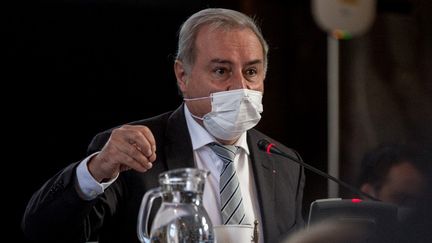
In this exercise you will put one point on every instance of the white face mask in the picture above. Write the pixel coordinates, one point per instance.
(233, 112)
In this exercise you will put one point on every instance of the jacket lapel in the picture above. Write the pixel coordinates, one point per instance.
(178, 148)
(264, 173)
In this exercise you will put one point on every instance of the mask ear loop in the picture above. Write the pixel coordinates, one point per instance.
(198, 98)
(197, 117)
(210, 96)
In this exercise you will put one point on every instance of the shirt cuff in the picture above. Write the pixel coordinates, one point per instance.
(88, 188)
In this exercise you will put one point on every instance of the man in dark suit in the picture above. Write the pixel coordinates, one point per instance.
(220, 69)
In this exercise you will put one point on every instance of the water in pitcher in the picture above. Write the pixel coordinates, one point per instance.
(181, 217)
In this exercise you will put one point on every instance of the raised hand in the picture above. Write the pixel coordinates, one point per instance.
(129, 147)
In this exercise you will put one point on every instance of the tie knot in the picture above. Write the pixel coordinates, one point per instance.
(225, 152)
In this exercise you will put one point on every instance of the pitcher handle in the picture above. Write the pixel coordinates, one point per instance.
(144, 213)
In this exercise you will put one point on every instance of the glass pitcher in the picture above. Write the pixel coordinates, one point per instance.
(181, 217)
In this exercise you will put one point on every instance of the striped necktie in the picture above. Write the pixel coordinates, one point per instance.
(232, 209)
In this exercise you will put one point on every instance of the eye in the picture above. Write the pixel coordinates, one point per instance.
(220, 72)
(251, 72)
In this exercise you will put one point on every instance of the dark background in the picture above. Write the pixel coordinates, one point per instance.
(76, 68)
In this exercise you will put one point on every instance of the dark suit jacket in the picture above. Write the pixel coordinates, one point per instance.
(56, 212)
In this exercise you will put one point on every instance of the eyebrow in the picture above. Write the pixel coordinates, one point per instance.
(221, 61)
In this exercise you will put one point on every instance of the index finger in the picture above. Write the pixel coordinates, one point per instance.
(149, 140)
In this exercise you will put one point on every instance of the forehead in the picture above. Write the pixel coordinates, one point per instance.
(228, 42)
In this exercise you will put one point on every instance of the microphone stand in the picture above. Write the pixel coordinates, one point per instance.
(271, 149)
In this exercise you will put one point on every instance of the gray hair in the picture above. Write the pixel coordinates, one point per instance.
(217, 18)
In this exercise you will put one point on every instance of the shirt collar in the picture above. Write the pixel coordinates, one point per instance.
(200, 137)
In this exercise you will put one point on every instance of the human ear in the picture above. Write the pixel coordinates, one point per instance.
(181, 75)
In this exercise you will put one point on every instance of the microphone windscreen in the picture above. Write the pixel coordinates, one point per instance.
(263, 144)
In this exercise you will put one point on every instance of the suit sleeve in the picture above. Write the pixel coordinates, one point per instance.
(57, 213)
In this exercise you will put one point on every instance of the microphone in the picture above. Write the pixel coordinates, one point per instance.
(270, 148)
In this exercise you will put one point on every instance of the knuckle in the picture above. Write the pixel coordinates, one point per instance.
(146, 129)
(116, 131)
